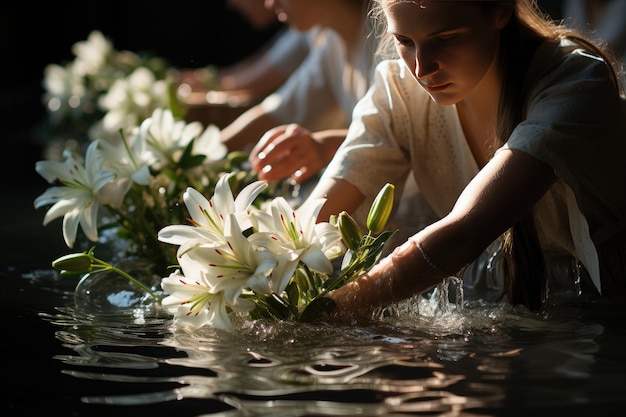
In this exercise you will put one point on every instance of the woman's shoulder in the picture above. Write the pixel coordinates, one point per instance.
(566, 59)
(567, 68)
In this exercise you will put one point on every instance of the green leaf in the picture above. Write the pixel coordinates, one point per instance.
(178, 111)
(293, 295)
(236, 159)
(268, 307)
(279, 308)
(188, 160)
(375, 249)
(317, 309)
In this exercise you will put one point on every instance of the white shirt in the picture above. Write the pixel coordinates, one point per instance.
(323, 91)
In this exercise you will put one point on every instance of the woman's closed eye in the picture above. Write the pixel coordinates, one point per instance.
(403, 40)
(447, 37)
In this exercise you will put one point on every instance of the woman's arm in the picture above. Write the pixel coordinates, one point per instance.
(244, 132)
(504, 190)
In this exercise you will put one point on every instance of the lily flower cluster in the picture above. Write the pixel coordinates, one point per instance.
(103, 89)
(246, 249)
(133, 186)
(273, 263)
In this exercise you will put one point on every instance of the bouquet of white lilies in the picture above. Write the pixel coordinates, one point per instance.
(273, 263)
(245, 250)
(102, 90)
(237, 255)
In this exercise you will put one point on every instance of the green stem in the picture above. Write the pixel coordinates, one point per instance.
(355, 268)
(103, 266)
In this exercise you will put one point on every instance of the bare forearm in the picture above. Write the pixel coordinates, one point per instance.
(247, 129)
(331, 140)
(403, 273)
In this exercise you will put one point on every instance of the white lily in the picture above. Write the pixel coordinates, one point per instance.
(220, 276)
(209, 143)
(91, 54)
(234, 267)
(130, 161)
(168, 137)
(314, 244)
(77, 200)
(131, 100)
(65, 94)
(193, 303)
(207, 217)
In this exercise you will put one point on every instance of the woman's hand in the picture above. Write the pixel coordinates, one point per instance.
(291, 151)
(398, 276)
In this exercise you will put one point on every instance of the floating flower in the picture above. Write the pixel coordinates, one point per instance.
(235, 266)
(192, 302)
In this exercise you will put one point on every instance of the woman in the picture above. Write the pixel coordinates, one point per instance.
(514, 131)
(309, 114)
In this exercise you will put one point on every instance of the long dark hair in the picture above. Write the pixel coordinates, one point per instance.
(525, 276)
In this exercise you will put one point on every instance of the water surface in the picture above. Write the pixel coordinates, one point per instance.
(123, 354)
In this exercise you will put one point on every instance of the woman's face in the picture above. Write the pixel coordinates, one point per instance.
(300, 15)
(448, 47)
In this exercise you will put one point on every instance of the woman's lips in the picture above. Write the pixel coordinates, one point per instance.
(436, 88)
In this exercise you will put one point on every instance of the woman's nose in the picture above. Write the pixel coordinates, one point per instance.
(425, 63)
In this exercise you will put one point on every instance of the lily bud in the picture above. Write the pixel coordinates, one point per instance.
(349, 230)
(381, 209)
(74, 263)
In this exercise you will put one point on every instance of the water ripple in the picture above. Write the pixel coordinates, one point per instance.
(459, 361)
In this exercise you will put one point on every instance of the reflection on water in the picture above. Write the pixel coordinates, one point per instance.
(422, 358)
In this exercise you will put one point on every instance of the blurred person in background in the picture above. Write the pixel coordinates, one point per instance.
(257, 75)
(297, 129)
(603, 20)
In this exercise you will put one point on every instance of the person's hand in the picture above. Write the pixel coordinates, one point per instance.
(288, 151)
(400, 275)
(291, 151)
